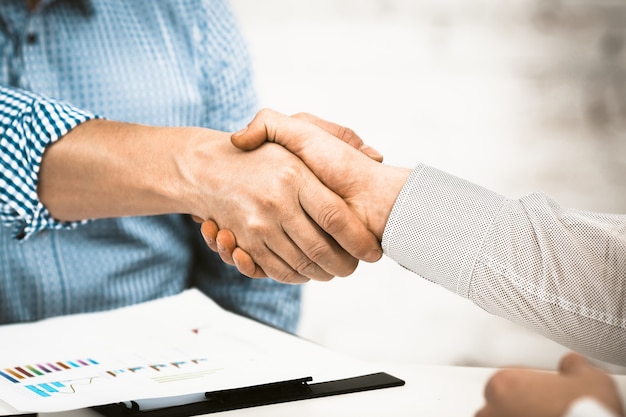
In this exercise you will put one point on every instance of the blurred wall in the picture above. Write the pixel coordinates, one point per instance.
(518, 96)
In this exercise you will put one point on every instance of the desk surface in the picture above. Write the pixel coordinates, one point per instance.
(442, 391)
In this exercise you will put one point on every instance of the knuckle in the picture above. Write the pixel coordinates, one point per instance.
(330, 217)
(349, 136)
(332, 259)
(302, 116)
(255, 226)
(289, 172)
(265, 117)
(305, 266)
(288, 276)
(315, 271)
(265, 113)
(319, 253)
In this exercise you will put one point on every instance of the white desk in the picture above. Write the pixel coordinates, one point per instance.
(442, 391)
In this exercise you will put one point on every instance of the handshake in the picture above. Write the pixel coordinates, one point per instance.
(324, 208)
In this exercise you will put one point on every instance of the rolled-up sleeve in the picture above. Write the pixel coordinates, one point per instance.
(28, 124)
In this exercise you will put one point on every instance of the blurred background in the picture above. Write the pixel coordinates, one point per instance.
(517, 96)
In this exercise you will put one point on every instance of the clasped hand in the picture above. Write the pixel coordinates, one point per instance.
(342, 162)
(289, 225)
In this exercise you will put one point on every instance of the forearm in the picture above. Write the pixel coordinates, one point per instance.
(560, 272)
(111, 169)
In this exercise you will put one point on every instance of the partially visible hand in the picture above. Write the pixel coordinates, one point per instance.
(330, 151)
(525, 392)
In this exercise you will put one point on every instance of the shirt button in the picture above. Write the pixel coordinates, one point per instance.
(31, 38)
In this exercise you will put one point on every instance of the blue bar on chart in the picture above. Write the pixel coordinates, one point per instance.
(37, 390)
(48, 388)
(45, 390)
(9, 377)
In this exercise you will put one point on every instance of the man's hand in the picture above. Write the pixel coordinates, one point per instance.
(525, 392)
(368, 187)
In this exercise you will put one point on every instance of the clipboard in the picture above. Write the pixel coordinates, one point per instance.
(259, 395)
(188, 346)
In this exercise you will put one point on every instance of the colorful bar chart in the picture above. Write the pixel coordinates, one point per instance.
(22, 373)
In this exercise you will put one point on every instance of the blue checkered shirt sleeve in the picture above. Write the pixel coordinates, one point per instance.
(28, 123)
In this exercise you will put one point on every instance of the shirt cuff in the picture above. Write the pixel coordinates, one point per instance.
(30, 123)
(437, 226)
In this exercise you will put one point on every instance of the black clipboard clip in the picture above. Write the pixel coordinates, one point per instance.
(258, 395)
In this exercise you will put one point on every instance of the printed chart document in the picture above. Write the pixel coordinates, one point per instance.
(175, 346)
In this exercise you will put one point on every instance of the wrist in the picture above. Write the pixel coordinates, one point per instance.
(195, 174)
(386, 186)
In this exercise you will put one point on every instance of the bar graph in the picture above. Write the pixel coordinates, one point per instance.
(22, 373)
(49, 379)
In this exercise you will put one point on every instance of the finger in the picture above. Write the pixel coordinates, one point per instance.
(209, 231)
(298, 261)
(344, 133)
(573, 363)
(227, 248)
(231, 254)
(226, 244)
(279, 270)
(246, 265)
(298, 250)
(196, 219)
(335, 218)
(276, 254)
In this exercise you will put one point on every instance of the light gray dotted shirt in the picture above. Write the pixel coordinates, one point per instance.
(556, 270)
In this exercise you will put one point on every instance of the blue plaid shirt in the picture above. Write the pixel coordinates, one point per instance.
(173, 63)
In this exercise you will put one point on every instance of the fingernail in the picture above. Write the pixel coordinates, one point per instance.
(220, 248)
(373, 256)
(371, 152)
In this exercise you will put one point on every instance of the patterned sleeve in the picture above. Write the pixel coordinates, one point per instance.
(28, 123)
(555, 270)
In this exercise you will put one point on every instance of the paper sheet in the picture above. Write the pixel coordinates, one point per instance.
(177, 345)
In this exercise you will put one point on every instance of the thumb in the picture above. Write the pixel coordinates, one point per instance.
(248, 139)
(573, 363)
(294, 134)
(263, 127)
